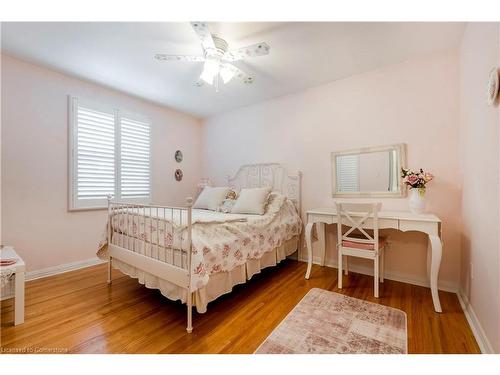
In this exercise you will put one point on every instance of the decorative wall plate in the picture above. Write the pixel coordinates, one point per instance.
(493, 86)
(178, 174)
(178, 156)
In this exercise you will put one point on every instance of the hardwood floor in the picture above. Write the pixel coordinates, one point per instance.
(77, 312)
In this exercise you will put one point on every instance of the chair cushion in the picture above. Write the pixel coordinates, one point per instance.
(364, 246)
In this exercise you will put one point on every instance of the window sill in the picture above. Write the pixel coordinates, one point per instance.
(78, 209)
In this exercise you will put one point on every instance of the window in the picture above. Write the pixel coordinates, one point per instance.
(110, 154)
(348, 173)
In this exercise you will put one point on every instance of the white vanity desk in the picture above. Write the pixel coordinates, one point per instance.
(400, 220)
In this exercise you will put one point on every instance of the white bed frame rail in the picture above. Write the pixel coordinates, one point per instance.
(139, 252)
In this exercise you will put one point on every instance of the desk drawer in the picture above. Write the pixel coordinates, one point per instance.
(321, 218)
(428, 227)
(382, 223)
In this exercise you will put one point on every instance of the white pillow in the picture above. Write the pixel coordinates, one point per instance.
(251, 201)
(211, 198)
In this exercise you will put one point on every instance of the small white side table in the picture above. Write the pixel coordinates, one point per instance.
(18, 269)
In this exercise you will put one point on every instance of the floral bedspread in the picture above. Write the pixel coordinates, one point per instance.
(220, 242)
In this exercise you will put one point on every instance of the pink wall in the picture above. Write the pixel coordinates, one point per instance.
(479, 145)
(34, 162)
(414, 103)
(419, 102)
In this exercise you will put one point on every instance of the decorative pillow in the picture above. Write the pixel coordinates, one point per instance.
(228, 203)
(211, 198)
(251, 201)
(231, 194)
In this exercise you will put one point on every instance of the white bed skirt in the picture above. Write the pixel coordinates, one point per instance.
(219, 283)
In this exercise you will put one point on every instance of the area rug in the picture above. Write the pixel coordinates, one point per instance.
(328, 322)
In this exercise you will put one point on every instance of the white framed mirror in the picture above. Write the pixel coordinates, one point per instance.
(369, 172)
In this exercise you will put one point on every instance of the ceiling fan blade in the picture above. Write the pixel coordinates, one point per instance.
(259, 49)
(240, 74)
(201, 29)
(163, 57)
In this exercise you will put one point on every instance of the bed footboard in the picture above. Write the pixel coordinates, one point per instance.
(154, 239)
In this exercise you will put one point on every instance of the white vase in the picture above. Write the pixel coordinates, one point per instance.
(417, 201)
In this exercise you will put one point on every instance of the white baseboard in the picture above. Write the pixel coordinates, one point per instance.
(475, 325)
(62, 268)
(395, 276)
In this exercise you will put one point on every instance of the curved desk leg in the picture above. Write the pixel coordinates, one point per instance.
(436, 250)
(429, 258)
(308, 236)
(320, 230)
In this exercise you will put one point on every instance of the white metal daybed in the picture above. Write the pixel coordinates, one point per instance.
(196, 255)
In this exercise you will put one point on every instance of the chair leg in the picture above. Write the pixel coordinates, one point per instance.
(382, 265)
(340, 270)
(110, 270)
(376, 276)
(346, 265)
(189, 327)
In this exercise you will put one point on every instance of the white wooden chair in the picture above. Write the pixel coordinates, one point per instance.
(360, 216)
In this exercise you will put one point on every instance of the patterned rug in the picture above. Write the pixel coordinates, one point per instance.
(328, 322)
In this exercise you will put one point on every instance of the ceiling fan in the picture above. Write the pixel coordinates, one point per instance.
(217, 58)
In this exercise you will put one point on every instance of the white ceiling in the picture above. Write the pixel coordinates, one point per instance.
(303, 54)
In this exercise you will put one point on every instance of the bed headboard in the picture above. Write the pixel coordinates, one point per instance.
(269, 174)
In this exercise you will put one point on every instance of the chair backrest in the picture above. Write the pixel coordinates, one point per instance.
(354, 216)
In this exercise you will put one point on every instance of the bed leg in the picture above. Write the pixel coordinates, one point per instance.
(110, 270)
(189, 327)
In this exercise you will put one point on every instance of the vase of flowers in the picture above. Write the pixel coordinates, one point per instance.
(417, 182)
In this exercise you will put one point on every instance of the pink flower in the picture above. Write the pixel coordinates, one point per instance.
(216, 268)
(412, 179)
(200, 269)
(225, 251)
(238, 255)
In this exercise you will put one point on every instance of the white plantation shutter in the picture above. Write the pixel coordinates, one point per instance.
(348, 173)
(94, 156)
(109, 155)
(135, 159)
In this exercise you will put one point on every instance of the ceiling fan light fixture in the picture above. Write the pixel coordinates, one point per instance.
(226, 74)
(210, 71)
(217, 58)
